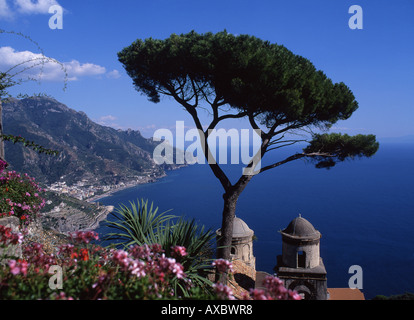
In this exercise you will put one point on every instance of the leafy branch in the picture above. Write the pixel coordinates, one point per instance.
(30, 144)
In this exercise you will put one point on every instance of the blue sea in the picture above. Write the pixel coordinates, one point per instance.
(363, 208)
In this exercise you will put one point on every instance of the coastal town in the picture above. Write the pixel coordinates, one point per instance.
(87, 191)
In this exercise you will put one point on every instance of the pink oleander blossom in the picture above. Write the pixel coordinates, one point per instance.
(17, 200)
(83, 236)
(258, 294)
(7, 237)
(62, 296)
(273, 290)
(178, 251)
(223, 265)
(144, 252)
(18, 267)
(223, 291)
(170, 265)
(137, 268)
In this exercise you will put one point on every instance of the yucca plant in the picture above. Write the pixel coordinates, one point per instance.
(135, 224)
(198, 243)
(141, 224)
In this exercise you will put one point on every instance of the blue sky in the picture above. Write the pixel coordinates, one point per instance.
(375, 62)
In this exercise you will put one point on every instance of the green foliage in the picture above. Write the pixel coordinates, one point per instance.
(404, 296)
(340, 147)
(141, 224)
(251, 75)
(135, 223)
(254, 79)
(89, 272)
(84, 146)
(30, 144)
(20, 196)
(5, 83)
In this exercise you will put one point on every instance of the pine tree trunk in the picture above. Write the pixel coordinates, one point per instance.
(229, 212)
(226, 232)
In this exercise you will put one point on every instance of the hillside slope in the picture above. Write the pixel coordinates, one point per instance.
(88, 151)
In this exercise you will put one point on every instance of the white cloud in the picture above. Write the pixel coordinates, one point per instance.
(347, 129)
(46, 69)
(107, 118)
(76, 69)
(9, 8)
(34, 7)
(109, 121)
(4, 9)
(114, 74)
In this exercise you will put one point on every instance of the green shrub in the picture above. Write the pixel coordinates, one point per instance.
(141, 224)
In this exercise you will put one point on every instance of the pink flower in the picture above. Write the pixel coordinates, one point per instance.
(62, 296)
(137, 268)
(223, 292)
(170, 265)
(177, 269)
(18, 238)
(156, 248)
(141, 252)
(18, 267)
(258, 294)
(121, 258)
(223, 266)
(178, 251)
(83, 236)
(274, 290)
(8, 237)
(293, 295)
(3, 165)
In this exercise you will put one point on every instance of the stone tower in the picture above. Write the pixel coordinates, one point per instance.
(300, 266)
(242, 243)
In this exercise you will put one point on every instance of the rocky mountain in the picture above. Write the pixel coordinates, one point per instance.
(87, 150)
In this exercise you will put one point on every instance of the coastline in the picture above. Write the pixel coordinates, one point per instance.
(132, 184)
(102, 215)
(106, 194)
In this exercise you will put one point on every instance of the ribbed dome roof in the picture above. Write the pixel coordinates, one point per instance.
(240, 229)
(301, 228)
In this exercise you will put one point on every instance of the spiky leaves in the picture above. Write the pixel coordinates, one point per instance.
(141, 224)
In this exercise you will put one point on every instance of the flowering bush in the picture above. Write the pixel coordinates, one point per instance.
(186, 241)
(89, 271)
(223, 266)
(92, 272)
(7, 237)
(274, 290)
(3, 165)
(19, 195)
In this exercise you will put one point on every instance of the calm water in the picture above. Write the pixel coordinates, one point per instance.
(363, 208)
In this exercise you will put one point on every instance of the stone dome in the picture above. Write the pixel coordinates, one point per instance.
(240, 229)
(300, 228)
